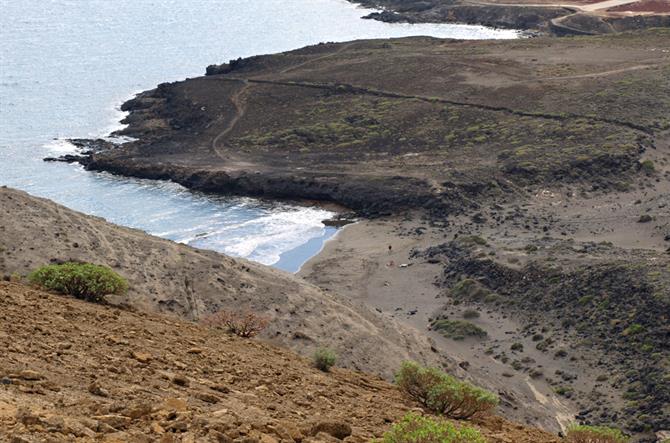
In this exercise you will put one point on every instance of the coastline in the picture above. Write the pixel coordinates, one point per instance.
(532, 17)
(294, 259)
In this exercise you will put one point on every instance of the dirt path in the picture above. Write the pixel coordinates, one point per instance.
(605, 5)
(596, 74)
(391, 94)
(240, 108)
(307, 62)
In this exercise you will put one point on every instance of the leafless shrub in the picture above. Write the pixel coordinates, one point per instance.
(241, 323)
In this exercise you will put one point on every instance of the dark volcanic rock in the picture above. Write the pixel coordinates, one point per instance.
(69, 158)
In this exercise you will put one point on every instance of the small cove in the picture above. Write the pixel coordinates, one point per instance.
(68, 65)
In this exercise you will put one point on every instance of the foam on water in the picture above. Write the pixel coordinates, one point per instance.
(60, 146)
(265, 237)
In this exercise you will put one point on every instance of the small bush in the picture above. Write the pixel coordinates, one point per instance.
(594, 434)
(81, 280)
(458, 329)
(646, 218)
(470, 313)
(244, 324)
(633, 329)
(414, 428)
(469, 289)
(442, 393)
(475, 239)
(648, 167)
(324, 359)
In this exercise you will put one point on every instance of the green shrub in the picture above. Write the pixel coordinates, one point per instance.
(324, 359)
(594, 434)
(647, 167)
(442, 393)
(470, 313)
(458, 329)
(635, 328)
(82, 280)
(469, 289)
(414, 428)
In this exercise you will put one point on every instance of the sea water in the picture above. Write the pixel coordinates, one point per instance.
(67, 65)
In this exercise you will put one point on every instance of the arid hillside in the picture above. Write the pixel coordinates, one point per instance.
(78, 371)
(176, 279)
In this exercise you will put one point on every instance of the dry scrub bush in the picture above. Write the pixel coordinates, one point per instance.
(324, 359)
(414, 428)
(444, 394)
(241, 323)
(594, 434)
(81, 280)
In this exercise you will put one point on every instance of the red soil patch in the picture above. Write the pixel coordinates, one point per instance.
(657, 6)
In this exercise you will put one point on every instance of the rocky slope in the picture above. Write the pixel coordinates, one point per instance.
(76, 371)
(171, 278)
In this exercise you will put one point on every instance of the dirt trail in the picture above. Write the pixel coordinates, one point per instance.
(238, 103)
(391, 94)
(605, 5)
(312, 60)
(596, 74)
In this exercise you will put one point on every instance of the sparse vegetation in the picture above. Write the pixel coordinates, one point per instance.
(324, 359)
(648, 167)
(633, 329)
(476, 239)
(244, 324)
(81, 280)
(458, 329)
(594, 434)
(442, 393)
(414, 428)
(470, 313)
(469, 289)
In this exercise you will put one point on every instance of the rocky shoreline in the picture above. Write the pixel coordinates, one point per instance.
(534, 18)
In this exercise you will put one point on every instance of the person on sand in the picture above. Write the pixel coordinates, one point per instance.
(390, 249)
